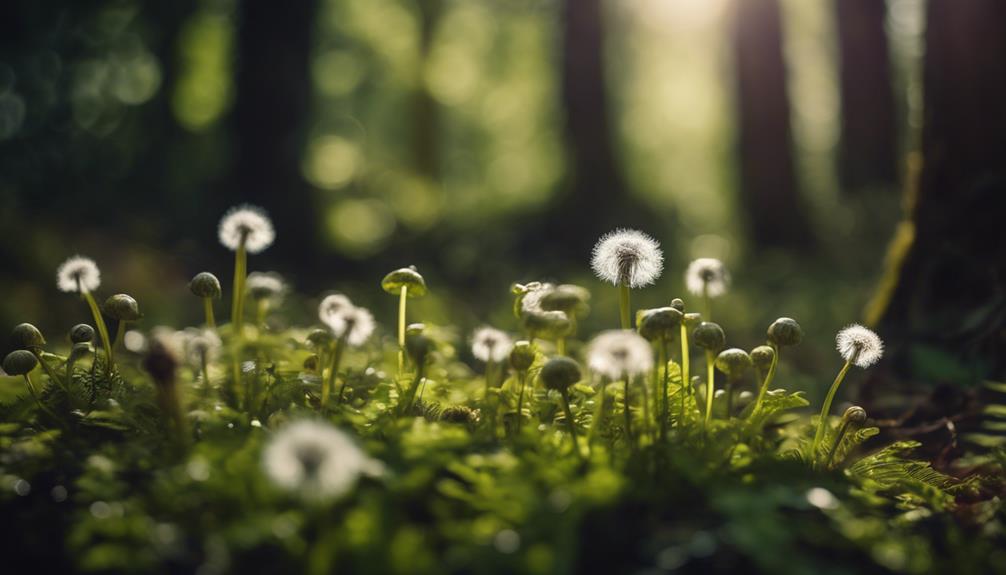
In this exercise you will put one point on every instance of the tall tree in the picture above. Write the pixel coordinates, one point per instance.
(768, 187)
(270, 121)
(942, 305)
(868, 143)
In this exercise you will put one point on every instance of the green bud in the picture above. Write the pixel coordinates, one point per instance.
(81, 333)
(548, 324)
(678, 304)
(785, 332)
(559, 373)
(311, 363)
(418, 347)
(709, 335)
(762, 357)
(659, 323)
(320, 337)
(568, 298)
(522, 355)
(855, 416)
(122, 307)
(205, 284)
(80, 350)
(27, 336)
(404, 277)
(415, 328)
(19, 362)
(733, 362)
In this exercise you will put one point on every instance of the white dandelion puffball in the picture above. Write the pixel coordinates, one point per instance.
(201, 345)
(78, 274)
(248, 223)
(627, 257)
(859, 345)
(315, 460)
(619, 353)
(491, 345)
(531, 300)
(707, 276)
(357, 325)
(332, 311)
(265, 285)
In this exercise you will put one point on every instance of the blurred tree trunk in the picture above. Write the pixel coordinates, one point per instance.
(270, 122)
(596, 197)
(768, 188)
(942, 304)
(867, 149)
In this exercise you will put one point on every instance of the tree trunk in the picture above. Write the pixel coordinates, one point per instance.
(768, 188)
(942, 306)
(867, 149)
(270, 121)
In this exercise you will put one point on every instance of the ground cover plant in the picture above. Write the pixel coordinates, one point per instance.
(654, 446)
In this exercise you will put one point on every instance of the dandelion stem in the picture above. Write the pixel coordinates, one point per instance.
(665, 404)
(211, 321)
(730, 396)
(522, 379)
(686, 380)
(261, 308)
(38, 400)
(401, 328)
(560, 346)
(326, 387)
(406, 401)
(822, 423)
(628, 413)
(707, 301)
(570, 423)
(238, 297)
(49, 371)
(623, 305)
(120, 335)
(842, 431)
(764, 386)
(710, 385)
(102, 331)
(595, 423)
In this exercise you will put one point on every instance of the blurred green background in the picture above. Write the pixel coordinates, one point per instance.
(485, 141)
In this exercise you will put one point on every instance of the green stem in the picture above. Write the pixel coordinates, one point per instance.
(647, 419)
(595, 423)
(405, 403)
(205, 368)
(764, 386)
(686, 380)
(730, 396)
(401, 329)
(707, 301)
(238, 297)
(326, 386)
(102, 331)
(710, 385)
(560, 346)
(120, 335)
(211, 321)
(522, 379)
(838, 441)
(38, 400)
(623, 306)
(261, 309)
(49, 371)
(628, 414)
(822, 424)
(570, 424)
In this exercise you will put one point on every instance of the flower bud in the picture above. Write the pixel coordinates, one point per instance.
(855, 416)
(81, 333)
(320, 338)
(762, 357)
(547, 324)
(785, 332)
(418, 347)
(205, 284)
(415, 328)
(710, 336)
(122, 307)
(522, 355)
(404, 277)
(19, 362)
(733, 362)
(678, 304)
(311, 363)
(568, 298)
(659, 323)
(559, 373)
(27, 336)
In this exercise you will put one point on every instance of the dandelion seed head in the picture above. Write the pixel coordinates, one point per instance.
(617, 354)
(490, 345)
(332, 311)
(357, 326)
(248, 223)
(202, 344)
(627, 257)
(534, 294)
(315, 460)
(707, 275)
(859, 345)
(78, 274)
(265, 285)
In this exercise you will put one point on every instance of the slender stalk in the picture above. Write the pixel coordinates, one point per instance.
(401, 328)
(628, 414)
(560, 346)
(710, 385)
(707, 301)
(665, 407)
(102, 331)
(686, 380)
(838, 441)
(205, 369)
(38, 400)
(329, 381)
(406, 401)
(570, 424)
(730, 396)
(211, 321)
(822, 424)
(238, 297)
(623, 306)
(120, 335)
(764, 386)
(595, 423)
(261, 309)
(522, 379)
(49, 371)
